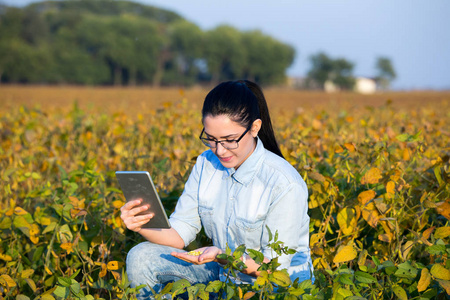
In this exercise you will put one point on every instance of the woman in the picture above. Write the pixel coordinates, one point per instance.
(236, 189)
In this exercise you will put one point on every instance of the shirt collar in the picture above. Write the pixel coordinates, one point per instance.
(247, 171)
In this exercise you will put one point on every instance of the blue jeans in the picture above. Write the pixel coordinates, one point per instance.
(152, 265)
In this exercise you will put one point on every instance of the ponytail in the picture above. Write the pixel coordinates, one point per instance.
(266, 133)
(244, 102)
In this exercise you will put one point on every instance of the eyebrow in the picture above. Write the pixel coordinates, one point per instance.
(222, 137)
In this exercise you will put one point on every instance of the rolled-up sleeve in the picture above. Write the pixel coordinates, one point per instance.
(288, 216)
(185, 219)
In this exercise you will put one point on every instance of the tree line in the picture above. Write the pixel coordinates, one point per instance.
(339, 71)
(126, 43)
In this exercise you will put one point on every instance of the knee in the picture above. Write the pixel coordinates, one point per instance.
(138, 262)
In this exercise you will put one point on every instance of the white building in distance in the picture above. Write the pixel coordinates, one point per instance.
(365, 85)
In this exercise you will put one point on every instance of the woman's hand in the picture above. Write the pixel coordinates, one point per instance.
(129, 215)
(208, 254)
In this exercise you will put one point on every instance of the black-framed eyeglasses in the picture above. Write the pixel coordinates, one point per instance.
(227, 144)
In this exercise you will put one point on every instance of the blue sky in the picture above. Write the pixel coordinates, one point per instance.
(413, 34)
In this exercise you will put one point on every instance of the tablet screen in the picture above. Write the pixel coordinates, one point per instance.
(138, 185)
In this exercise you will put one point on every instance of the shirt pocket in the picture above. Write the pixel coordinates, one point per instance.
(206, 216)
(249, 232)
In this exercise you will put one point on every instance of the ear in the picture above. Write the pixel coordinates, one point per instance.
(256, 126)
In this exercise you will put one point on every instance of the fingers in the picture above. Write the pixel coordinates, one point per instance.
(198, 257)
(130, 217)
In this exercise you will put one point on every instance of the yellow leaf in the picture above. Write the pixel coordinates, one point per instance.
(346, 253)
(406, 248)
(426, 234)
(113, 265)
(26, 273)
(372, 176)
(446, 285)
(339, 149)
(442, 232)
(118, 203)
(370, 214)
(385, 237)
(443, 208)
(281, 278)
(400, 293)
(315, 238)
(20, 211)
(34, 239)
(241, 294)
(262, 278)
(68, 247)
(34, 230)
(424, 281)
(248, 295)
(406, 154)
(7, 281)
(47, 270)
(350, 147)
(45, 221)
(103, 271)
(366, 196)
(316, 124)
(116, 275)
(346, 219)
(396, 176)
(390, 189)
(317, 176)
(31, 284)
(5, 257)
(440, 272)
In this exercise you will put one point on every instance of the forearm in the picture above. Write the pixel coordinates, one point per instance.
(167, 237)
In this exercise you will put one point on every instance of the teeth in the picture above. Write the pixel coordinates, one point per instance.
(195, 253)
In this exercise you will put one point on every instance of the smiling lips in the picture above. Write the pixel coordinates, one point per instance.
(225, 159)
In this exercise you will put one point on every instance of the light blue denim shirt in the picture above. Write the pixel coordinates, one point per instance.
(235, 206)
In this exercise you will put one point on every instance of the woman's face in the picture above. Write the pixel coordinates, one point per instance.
(220, 128)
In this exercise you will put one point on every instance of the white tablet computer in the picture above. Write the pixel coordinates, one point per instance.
(139, 185)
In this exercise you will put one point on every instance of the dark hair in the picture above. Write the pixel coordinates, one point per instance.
(243, 102)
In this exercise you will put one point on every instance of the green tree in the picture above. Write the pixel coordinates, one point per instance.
(224, 54)
(267, 58)
(385, 72)
(186, 45)
(323, 68)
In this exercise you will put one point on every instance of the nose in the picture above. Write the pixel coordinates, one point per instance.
(220, 150)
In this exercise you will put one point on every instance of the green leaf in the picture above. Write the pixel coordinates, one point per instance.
(214, 286)
(5, 223)
(364, 277)
(257, 256)
(437, 173)
(62, 292)
(400, 293)
(389, 267)
(65, 234)
(75, 287)
(405, 270)
(270, 233)
(167, 288)
(345, 279)
(180, 285)
(230, 292)
(238, 252)
(21, 223)
(280, 278)
(64, 281)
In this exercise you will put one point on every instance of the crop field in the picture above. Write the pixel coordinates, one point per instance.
(377, 168)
